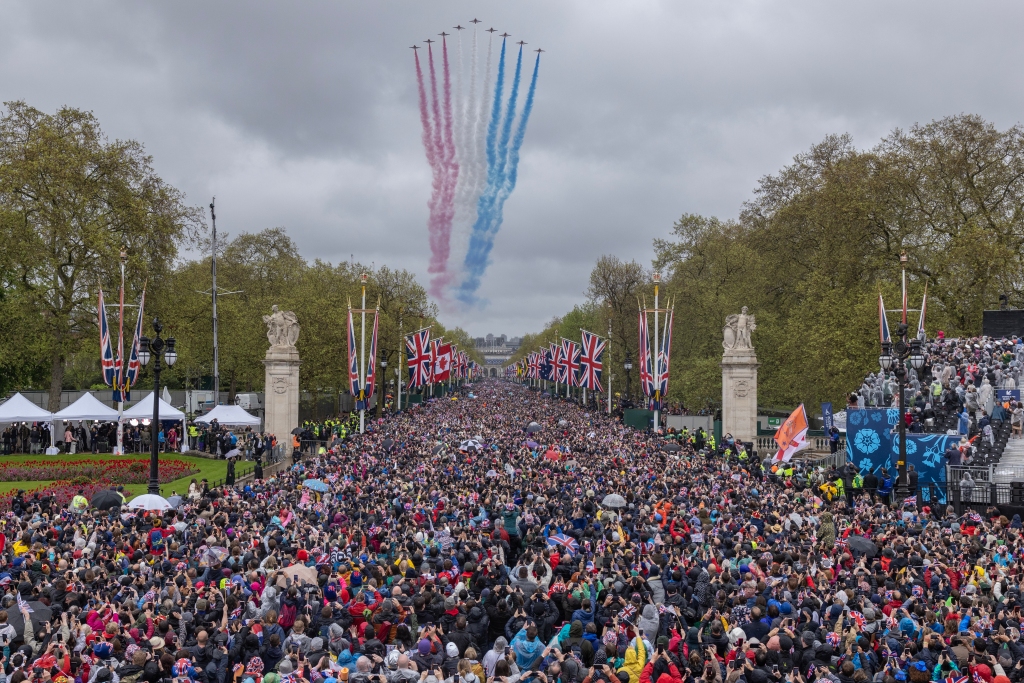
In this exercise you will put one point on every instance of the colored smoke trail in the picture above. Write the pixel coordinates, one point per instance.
(442, 228)
(489, 209)
(472, 138)
(466, 147)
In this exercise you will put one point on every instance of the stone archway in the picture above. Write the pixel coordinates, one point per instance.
(492, 372)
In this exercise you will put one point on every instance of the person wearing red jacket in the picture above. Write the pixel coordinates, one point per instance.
(660, 670)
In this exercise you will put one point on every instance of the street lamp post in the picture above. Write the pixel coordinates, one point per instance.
(628, 365)
(156, 348)
(896, 357)
(383, 384)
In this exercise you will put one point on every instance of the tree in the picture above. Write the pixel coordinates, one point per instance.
(72, 200)
(616, 287)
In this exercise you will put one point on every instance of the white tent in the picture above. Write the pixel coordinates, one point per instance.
(230, 415)
(143, 410)
(87, 408)
(19, 409)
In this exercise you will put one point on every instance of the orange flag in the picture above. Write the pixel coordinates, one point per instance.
(791, 437)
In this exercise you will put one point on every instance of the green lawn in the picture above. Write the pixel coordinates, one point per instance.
(213, 470)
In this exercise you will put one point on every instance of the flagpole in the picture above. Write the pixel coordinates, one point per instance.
(362, 361)
(401, 353)
(657, 361)
(609, 347)
(120, 388)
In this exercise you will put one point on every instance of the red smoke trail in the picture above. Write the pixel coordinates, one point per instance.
(434, 158)
(446, 202)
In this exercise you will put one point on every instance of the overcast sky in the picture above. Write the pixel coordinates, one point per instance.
(304, 114)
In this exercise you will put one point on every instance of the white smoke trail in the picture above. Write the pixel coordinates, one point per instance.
(472, 162)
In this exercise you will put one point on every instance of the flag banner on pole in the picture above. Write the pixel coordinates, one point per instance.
(106, 351)
(353, 359)
(119, 364)
(571, 361)
(417, 356)
(904, 318)
(791, 437)
(644, 361)
(547, 367)
(371, 359)
(826, 416)
(442, 361)
(920, 321)
(556, 360)
(591, 361)
(132, 372)
(664, 354)
(883, 322)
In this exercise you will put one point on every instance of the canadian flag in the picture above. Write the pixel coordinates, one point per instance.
(443, 362)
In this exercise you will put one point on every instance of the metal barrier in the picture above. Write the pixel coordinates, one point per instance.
(979, 474)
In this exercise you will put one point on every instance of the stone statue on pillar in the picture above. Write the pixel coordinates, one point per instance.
(281, 390)
(739, 377)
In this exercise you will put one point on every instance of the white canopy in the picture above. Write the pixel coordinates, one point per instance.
(19, 409)
(87, 408)
(143, 410)
(230, 415)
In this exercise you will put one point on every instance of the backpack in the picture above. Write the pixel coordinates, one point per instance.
(287, 618)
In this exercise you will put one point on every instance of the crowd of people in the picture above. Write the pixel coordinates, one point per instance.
(456, 543)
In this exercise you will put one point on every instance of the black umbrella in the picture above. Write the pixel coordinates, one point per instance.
(862, 545)
(436, 449)
(40, 615)
(106, 499)
(389, 444)
(533, 427)
(672, 447)
(297, 431)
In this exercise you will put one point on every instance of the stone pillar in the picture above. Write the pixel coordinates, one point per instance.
(739, 378)
(281, 391)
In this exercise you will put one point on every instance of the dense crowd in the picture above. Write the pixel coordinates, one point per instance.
(960, 377)
(457, 543)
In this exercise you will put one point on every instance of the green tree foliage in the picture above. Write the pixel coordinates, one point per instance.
(814, 246)
(71, 200)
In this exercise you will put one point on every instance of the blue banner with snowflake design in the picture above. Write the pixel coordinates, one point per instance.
(873, 443)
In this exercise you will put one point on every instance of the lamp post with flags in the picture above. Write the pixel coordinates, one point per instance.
(896, 357)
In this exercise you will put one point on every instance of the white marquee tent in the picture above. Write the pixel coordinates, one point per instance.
(19, 409)
(87, 408)
(143, 410)
(230, 415)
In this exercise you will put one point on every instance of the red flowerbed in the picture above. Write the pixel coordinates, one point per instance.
(89, 475)
(122, 471)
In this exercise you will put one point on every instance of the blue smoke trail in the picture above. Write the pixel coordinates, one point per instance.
(492, 125)
(483, 240)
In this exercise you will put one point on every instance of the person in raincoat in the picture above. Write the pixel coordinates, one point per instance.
(636, 659)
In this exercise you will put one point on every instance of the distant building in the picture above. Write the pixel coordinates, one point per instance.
(497, 350)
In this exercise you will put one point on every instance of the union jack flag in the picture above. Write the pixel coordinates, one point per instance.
(646, 376)
(132, 372)
(119, 364)
(371, 360)
(664, 354)
(628, 612)
(589, 375)
(570, 366)
(417, 356)
(106, 351)
(353, 359)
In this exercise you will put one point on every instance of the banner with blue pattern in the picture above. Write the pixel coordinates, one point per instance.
(872, 443)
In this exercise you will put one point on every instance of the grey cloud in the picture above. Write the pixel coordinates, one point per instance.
(303, 114)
